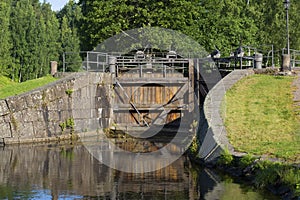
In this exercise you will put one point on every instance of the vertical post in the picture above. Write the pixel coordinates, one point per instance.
(273, 56)
(191, 85)
(87, 61)
(53, 67)
(112, 65)
(287, 58)
(241, 62)
(141, 70)
(287, 31)
(64, 62)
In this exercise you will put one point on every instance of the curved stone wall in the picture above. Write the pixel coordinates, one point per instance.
(214, 139)
(77, 103)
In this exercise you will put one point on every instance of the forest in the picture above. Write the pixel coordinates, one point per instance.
(32, 34)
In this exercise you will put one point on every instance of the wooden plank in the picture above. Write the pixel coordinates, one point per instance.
(150, 107)
(191, 86)
(161, 81)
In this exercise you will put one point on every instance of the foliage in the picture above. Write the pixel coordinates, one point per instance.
(34, 37)
(69, 123)
(32, 34)
(194, 147)
(5, 43)
(69, 92)
(69, 18)
(269, 173)
(260, 117)
(246, 160)
(103, 19)
(225, 158)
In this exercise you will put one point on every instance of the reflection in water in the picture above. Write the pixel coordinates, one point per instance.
(66, 171)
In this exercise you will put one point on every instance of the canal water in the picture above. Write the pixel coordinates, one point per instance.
(68, 171)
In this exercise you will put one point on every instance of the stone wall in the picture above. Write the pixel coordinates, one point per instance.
(77, 103)
(214, 138)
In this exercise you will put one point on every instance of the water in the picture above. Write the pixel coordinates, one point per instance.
(68, 171)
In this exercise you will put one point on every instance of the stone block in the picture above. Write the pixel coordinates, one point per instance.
(63, 103)
(17, 117)
(81, 125)
(40, 116)
(40, 130)
(49, 94)
(36, 99)
(65, 114)
(30, 115)
(94, 124)
(92, 90)
(5, 130)
(104, 122)
(16, 103)
(94, 113)
(25, 130)
(54, 129)
(81, 114)
(77, 93)
(84, 92)
(3, 108)
(53, 116)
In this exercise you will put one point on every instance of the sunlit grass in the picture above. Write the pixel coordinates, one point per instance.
(10, 88)
(261, 119)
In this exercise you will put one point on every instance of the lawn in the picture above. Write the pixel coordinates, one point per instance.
(261, 117)
(10, 88)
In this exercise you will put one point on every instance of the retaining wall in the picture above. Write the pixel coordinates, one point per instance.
(78, 103)
(214, 138)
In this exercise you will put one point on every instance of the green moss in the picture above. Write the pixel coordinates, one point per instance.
(69, 92)
(69, 123)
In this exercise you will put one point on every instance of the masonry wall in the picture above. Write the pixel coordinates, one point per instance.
(78, 103)
(213, 138)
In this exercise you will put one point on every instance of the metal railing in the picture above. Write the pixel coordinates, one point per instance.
(266, 50)
(93, 61)
(295, 57)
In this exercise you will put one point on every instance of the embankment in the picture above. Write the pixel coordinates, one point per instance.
(214, 139)
(80, 102)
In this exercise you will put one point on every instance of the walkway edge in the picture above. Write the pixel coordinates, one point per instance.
(215, 136)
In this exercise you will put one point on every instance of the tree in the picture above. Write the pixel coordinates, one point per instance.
(5, 42)
(69, 18)
(103, 19)
(51, 38)
(226, 24)
(34, 34)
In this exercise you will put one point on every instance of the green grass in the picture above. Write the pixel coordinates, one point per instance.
(261, 118)
(10, 88)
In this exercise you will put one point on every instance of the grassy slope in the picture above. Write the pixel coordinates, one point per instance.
(10, 88)
(261, 118)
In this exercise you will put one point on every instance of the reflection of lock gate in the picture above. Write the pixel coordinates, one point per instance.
(152, 89)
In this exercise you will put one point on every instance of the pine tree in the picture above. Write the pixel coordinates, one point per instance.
(5, 43)
(70, 17)
(51, 38)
